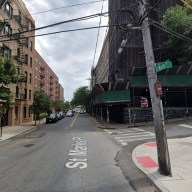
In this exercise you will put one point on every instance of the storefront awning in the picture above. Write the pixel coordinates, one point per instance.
(112, 97)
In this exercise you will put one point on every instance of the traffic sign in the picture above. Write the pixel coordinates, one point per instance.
(163, 65)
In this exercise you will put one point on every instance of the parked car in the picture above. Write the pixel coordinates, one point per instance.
(82, 112)
(61, 114)
(69, 113)
(52, 118)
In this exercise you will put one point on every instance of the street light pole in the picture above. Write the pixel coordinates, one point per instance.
(161, 138)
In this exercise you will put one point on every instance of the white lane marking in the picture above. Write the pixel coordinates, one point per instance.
(137, 129)
(124, 144)
(187, 126)
(135, 135)
(135, 139)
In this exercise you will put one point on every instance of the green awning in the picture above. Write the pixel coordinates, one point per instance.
(166, 80)
(111, 97)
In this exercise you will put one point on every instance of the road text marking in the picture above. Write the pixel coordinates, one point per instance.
(78, 155)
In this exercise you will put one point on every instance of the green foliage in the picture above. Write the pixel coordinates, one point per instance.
(66, 106)
(8, 72)
(8, 75)
(41, 103)
(179, 20)
(81, 96)
(43, 115)
(58, 105)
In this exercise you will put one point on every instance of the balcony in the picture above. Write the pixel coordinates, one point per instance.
(42, 82)
(42, 75)
(51, 82)
(42, 68)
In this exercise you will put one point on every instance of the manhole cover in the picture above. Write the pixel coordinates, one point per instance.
(29, 145)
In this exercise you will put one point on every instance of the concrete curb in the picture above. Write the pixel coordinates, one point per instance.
(153, 179)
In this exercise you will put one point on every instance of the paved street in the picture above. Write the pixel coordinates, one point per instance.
(71, 155)
(74, 155)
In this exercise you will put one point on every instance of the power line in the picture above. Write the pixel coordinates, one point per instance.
(60, 23)
(64, 31)
(178, 35)
(97, 35)
(69, 6)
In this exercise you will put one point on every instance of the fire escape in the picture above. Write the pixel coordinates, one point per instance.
(20, 57)
(42, 77)
(51, 86)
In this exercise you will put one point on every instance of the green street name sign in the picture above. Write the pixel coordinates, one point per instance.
(163, 65)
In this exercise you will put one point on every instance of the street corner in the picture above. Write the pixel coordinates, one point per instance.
(145, 156)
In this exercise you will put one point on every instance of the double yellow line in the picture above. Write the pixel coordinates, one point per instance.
(73, 122)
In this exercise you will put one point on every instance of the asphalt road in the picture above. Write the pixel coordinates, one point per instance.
(69, 156)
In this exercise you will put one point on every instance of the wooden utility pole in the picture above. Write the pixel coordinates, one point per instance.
(161, 138)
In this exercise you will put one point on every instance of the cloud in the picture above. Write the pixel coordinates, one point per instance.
(70, 55)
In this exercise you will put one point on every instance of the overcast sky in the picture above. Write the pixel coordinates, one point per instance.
(70, 55)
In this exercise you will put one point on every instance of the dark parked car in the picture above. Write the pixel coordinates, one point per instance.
(53, 118)
(61, 114)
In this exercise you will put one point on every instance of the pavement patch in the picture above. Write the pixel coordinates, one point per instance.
(28, 136)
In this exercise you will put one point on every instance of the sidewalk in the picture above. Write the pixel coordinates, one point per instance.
(145, 157)
(9, 132)
(180, 151)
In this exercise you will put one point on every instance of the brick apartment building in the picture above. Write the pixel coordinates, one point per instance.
(46, 80)
(15, 18)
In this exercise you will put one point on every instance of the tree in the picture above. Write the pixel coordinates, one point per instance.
(8, 75)
(41, 103)
(66, 106)
(58, 105)
(179, 20)
(81, 96)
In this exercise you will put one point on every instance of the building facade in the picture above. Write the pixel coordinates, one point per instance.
(17, 42)
(127, 80)
(46, 80)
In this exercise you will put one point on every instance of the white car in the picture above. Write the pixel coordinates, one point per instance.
(69, 113)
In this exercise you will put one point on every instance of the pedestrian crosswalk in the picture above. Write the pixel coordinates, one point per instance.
(130, 135)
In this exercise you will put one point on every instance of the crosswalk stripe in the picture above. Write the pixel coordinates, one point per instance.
(144, 133)
(187, 126)
(135, 136)
(135, 139)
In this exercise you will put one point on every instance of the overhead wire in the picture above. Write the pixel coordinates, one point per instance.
(68, 6)
(59, 23)
(97, 35)
(52, 33)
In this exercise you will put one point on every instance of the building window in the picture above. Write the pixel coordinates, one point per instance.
(26, 59)
(24, 112)
(17, 92)
(18, 52)
(31, 45)
(26, 76)
(6, 52)
(25, 95)
(29, 94)
(7, 30)
(16, 112)
(30, 112)
(30, 78)
(31, 62)
(8, 9)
